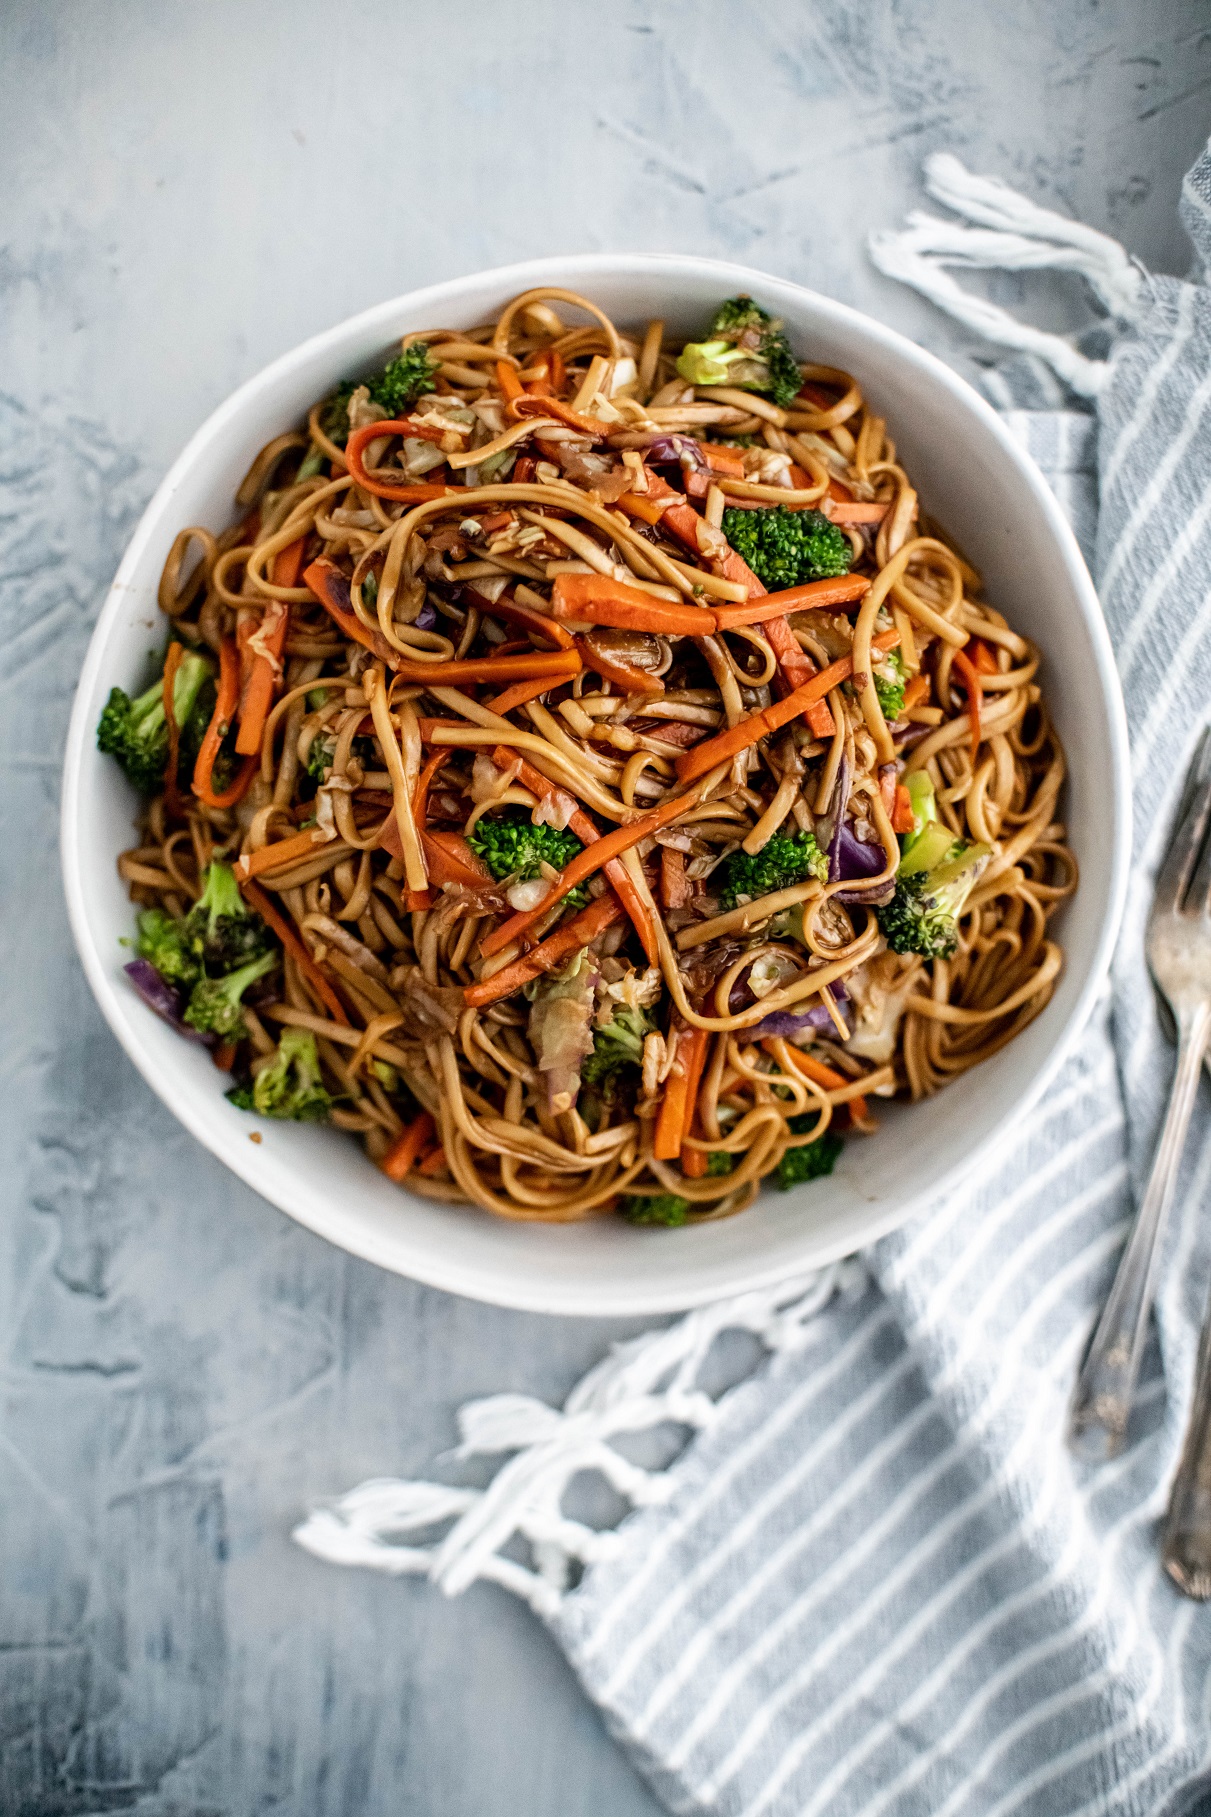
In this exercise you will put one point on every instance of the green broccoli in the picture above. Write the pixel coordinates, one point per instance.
(923, 915)
(744, 346)
(618, 1044)
(655, 1208)
(784, 860)
(409, 374)
(512, 846)
(219, 929)
(290, 1087)
(719, 1164)
(163, 943)
(787, 548)
(889, 679)
(811, 1162)
(214, 1003)
(136, 731)
(395, 390)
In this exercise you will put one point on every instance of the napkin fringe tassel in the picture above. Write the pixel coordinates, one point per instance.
(648, 1382)
(1010, 233)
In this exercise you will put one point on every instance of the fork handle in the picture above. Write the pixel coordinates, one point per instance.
(1186, 1537)
(1102, 1403)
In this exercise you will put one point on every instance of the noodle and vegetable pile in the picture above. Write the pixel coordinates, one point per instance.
(583, 773)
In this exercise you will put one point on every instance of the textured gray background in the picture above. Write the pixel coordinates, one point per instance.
(188, 191)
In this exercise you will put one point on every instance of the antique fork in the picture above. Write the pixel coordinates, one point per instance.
(1179, 958)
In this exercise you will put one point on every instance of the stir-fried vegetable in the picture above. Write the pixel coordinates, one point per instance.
(136, 731)
(788, 548)
(744, 347)
(512, 846)
(219, 930)
(291, 1086)
(784, 860)
(923, 915)
(214, 1003)
(812, 1161)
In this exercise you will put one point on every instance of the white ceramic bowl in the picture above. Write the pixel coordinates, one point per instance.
(974, 478)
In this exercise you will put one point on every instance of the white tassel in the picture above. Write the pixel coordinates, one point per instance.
(1014, 235)
(650, 1381)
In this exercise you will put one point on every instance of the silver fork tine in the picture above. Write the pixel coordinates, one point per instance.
(1174, 876)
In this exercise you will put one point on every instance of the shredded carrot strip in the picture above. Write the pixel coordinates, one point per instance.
(604, 601)
(518, 695)
(172, 663)
(294, 946)
(694, 1162)
(577, 932)
(356, 446)
(680, 1090)
(738, 738)
(433, 1162)
(728, 461)
(420, 801)
(841, 591)
(273, 857)
(856, 511)
(224, 1056)
(220, 721)
(636, 505)
(403, 1153)
(917, 690)
(449, 859)
(616, 872)
(903, 819)
(594, 858)
(981, 656)
(262, 680)
(551, 406)
(975, 696)
(511, 387)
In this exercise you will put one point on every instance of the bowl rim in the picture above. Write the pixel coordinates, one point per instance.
(452, 1273)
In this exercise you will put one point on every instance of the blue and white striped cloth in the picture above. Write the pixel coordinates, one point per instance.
(876, 1582)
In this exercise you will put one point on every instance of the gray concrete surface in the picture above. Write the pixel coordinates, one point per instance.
(189, 190)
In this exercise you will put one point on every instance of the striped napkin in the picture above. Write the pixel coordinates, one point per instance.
(875, 1581)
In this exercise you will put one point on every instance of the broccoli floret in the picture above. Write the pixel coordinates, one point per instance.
(214, 1003)
(745, 347)
(923, 915)
(618, 1044)
(219, 928)
(163, 942)
(395, 390)
(784, 860)
(512, 846)
(812, 1161)
(890, 686)
(787, 548)
(290, 1087)
(656, 1208)
(719, 1164)
(136, 731)
(409, 374)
